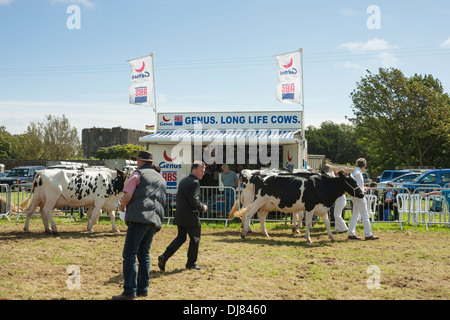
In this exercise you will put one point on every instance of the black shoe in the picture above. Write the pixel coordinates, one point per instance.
(162, 263)
(195, 266)
(142, 294)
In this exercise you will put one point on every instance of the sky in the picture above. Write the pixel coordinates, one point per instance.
(210, 56)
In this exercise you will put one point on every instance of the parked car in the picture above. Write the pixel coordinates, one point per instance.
(433, 178)
(2, 174)
(388, 175)
(400, 180)
(20, 175)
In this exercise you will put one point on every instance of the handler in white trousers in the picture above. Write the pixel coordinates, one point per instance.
(339, 205)
(339, 223)
(360, 206)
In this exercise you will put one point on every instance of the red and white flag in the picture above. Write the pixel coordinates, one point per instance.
(141, 88)
(289, 77)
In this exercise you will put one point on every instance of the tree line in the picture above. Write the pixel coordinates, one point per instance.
(397, 121)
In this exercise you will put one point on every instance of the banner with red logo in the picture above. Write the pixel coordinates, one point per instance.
(289, 77)
(141, 88)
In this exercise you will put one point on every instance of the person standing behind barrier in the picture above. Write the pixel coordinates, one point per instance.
(229, 179)
(144, 199)
(390, 202)
(360, 206)
(186, 218)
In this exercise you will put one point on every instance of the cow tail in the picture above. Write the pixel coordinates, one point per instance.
(241, 212)
(233, 210)
(24, 203)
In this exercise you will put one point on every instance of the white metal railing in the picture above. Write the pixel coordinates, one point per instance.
(414, 207)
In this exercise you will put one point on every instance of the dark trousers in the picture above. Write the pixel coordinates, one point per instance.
(137, 244)
(194, 236)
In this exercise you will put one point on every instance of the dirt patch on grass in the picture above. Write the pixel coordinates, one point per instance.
(412, 264)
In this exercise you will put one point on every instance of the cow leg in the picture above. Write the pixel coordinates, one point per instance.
(89, 216)
(38, 200)
(30, 212)
(308, 223)
(262, 219)
(254, 207)
(46, 218)
(298, 217)
(96, 212)
(327, 223)
(112, 216)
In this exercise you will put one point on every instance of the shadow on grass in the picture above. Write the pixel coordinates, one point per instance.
(22, 235)
(276, 239)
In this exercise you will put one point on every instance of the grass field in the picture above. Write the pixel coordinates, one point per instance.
(411, 263)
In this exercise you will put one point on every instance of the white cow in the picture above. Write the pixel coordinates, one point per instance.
(292, 193)
(95, 189)
(248, 196)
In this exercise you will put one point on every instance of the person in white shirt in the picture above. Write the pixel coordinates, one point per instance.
(360, 206)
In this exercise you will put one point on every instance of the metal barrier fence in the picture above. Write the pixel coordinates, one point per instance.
(408, 207)
(219, 201)
(5, 201)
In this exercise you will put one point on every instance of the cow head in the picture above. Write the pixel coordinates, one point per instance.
(350, 185)
(119, 181)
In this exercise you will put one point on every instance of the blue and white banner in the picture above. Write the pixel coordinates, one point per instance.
(289, 77)
(141, 88)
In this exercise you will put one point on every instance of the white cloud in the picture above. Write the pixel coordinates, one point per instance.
(375, 53)
(363, 47)
(85, 3)
(445, 44)
(5, 2)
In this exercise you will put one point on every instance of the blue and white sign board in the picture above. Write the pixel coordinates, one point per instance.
(282, 120)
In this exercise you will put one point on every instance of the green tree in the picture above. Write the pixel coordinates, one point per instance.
(118, 151)
(5, 143)
(400, 120)
(336, 141)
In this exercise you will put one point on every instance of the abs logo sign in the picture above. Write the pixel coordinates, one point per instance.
(288, 91)
(167, 120)
(140, 94)
(171, 176)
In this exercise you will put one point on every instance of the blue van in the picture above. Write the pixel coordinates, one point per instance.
(433, 178)
(388, 175)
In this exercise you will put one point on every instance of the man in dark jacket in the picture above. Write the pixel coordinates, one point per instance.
(144, 199)
(186, 217)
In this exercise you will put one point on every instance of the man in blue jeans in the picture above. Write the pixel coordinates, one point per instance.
(144, 199)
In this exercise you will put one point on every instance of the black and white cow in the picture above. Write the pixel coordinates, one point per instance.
(247, 195)
(290, 193)
(95, 189)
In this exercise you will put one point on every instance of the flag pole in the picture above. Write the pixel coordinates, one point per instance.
(154, 92)
(303, 108)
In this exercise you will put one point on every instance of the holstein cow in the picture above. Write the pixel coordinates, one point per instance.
(247, 195)
(290, 193)
(96, 189)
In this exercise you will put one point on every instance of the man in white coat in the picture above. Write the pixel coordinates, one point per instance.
(360, 206)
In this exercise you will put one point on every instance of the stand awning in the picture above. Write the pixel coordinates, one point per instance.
(227, 136)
